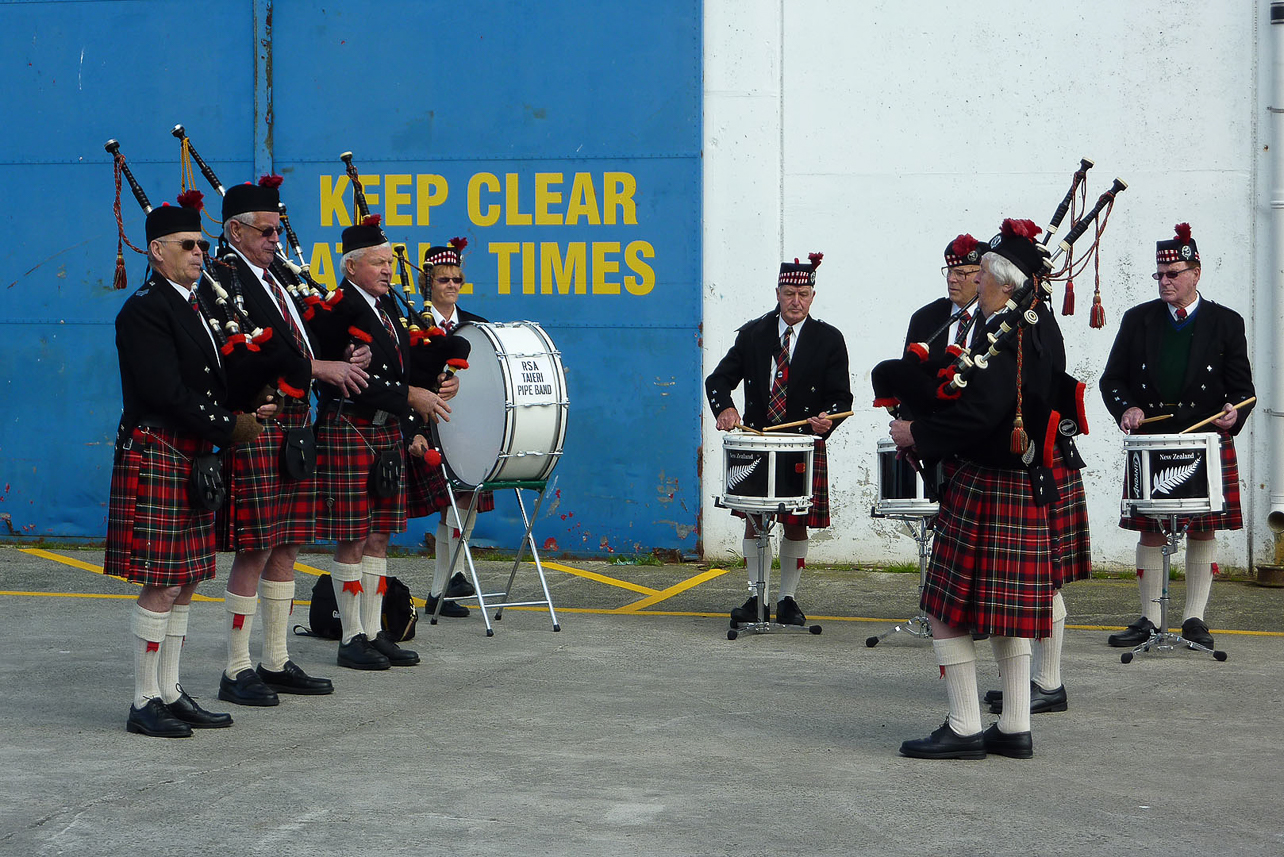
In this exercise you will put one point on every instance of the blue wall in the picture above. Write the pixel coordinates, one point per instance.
(543, 110)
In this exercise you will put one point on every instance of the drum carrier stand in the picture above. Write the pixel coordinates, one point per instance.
(465, 535)
(920, 625)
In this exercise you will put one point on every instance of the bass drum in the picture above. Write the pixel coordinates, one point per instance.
(508, 421)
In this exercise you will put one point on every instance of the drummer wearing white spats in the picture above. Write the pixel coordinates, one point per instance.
(1176, 361)
(794, 369)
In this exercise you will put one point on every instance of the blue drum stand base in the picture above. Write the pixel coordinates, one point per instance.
(920, 626)
(1161, 639)
(762, 524)
(498, 600)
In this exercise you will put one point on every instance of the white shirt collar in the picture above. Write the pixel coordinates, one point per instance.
(1190, 310)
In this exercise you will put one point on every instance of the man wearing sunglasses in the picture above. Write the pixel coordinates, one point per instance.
(1186, 356)
(271, 513)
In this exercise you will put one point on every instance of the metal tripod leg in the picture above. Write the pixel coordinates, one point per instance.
(529, 541)
(762, 526)
(1161, 639)
(919, 626)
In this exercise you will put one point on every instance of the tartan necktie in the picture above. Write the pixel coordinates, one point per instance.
(960, 338)
(780, 381)
(392, 331)
(448, 326)
(193, 302)
(282, 304)
(1181, 313)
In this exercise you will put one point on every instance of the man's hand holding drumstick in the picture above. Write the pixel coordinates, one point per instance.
(727, 420)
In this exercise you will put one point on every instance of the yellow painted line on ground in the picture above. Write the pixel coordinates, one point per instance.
(65, 560)
(601, 578)
(307, 569)
(672, 590)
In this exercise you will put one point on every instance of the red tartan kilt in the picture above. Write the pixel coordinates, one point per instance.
(265, 509)
(1230, 518)
(154, 536)
(426, 490)
(991, 568)
(346, 452)
(817, 517)
(1068, 526)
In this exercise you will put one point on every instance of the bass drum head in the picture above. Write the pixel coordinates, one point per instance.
(472, 440)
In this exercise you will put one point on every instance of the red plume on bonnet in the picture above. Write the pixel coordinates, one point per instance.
(271, 181)
(963, 245)
(815, 258)
(1019, 228)
(1183, 232)
(371, 220)
(459, 243)
(192, 199)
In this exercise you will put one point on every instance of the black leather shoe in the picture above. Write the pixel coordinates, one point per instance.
(396, 655)
(1134, 635)
(459, 587)
(186, 710)
(1017, 746)
(1195, 631)
(246, 689)
(945, 744)
(359, 654)
(748, 612)
(449, 609)
(1041, 701)
(789, 613)
(292, 679)
(155, 719)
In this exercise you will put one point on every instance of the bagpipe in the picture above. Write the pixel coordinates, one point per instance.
(432, 350)
(254, 360)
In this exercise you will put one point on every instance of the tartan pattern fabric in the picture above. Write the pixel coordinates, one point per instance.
(264, 509)
(960, 338)
(154, 536)
(817, 517)
(346, 450)
(282, 304)
(991, 567)
(1230, 518)
(779, 381)
(1068, 527)
(426, 490)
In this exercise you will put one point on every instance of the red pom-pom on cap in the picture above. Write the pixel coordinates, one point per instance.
(459, 243)
(371, 220)
(963, 245)
(815, 259)
(271, 181)
(1183, 232)
(1019, 228)
(192, 199)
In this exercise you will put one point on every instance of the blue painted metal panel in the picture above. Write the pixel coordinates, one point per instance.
(562, 139)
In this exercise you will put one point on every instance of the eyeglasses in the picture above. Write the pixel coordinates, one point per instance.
(1169, 275)
(267, 231)
(959, 271)
(459, 281)
(189, 244)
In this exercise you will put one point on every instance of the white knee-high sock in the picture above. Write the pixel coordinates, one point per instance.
(374, 570)
(1046, 665)
(750, 548)
(793, 557)
(347, 595)
(240, 621)
(1150, 579)
(957, 658)
(1199, 575)
(148, 629)
(277, 600)
(444, 551)
(171, 650)
(1013, 656)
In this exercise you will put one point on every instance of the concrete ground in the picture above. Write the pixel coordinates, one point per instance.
(638, 729)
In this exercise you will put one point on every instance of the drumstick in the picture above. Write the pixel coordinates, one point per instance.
(804, 422)
(1244, 403)
(1155, 419)
(743, 427)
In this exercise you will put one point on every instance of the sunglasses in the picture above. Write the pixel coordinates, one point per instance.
(189, 244)
(267, 231)
(459, 281)
(1171, 275)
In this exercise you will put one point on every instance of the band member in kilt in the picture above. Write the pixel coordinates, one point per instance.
(360, 458)
(794, 367)
(159, 534)
(440, 279)
(962, 265)
(271, 513)
(992, 568)
(1187, 356)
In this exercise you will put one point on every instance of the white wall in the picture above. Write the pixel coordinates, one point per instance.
(876, 131)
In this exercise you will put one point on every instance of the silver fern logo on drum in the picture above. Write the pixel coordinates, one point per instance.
(1168, 479)
(738, 473)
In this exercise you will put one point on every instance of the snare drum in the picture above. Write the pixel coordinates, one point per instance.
(763, 473)
(1172, 474)
(508, 421)
(901, 492)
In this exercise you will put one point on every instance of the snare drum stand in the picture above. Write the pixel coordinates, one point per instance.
(1161, 639)
(919, 626)
(762, 524)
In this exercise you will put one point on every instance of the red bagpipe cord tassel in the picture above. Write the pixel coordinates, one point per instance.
(1067, 305)
(120, 281)
(1019, 441)
(353, 586)
(1097, 318)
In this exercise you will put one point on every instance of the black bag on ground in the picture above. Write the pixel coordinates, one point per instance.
(399, 613)
(398, 619)
(323, 615)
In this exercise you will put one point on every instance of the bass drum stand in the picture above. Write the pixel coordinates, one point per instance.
(1161, 639)
(920, 626)
(762, 524)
